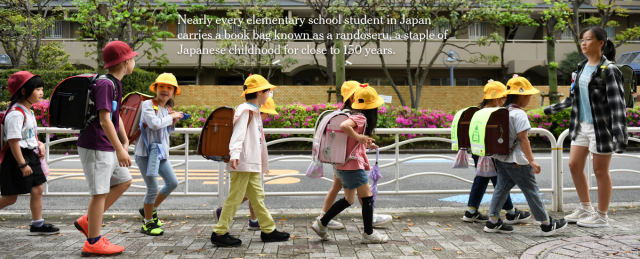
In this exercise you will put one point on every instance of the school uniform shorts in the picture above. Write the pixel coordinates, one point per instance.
(101, 170)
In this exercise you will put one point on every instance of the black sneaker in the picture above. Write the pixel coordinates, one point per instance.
(555, 224)
(44, 230)
(499, 227)
(224, 240)
(274, 236)
(475, 217)
(517, 217)
(151, 229)
(154, 216)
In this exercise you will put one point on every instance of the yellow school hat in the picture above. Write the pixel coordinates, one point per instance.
(349, 88)
(167, 79)
(521, 86)
(494, 90)
(269, 106)
(366, 98)
(256, 83)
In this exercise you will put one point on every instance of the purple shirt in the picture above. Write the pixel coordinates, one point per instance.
(102, 96)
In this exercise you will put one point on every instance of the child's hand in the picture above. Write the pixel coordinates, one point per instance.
(536, 167)
(176, 115)
(26, 171)
(364, 140)
(123, 157)
(234, 163)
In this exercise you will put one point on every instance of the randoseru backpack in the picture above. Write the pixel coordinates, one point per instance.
(213, 143)
(132, 110)
(69, 102)
(5, 147)
(630, 84)
(330, 142)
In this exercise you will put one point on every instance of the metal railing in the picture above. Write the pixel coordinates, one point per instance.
(589, 171)
(223, 183)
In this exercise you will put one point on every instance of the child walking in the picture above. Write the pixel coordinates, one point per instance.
(20, 172)
(103, 149)
(348, 90)
(160, 122)
(360, 128)
(493, 97)
(519, 167)
(269, 107)
(248, 151)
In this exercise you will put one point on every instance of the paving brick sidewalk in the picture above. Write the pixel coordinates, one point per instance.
(414, 233)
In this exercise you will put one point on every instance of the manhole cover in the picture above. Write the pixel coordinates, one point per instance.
(587, 247)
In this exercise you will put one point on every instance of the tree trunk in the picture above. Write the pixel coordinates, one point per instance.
(408, 71)
(551, 57)
(576, 24)
(199, 67)
(386, 72)
(340, 69)
(101, 40)
(330, 75)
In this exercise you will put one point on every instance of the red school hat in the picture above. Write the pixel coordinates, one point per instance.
(17, 80)
(116, 52)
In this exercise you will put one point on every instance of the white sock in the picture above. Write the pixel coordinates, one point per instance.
(147, 221)
(155, 208)
(586, 206)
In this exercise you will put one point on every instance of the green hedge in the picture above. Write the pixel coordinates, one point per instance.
(138, 81)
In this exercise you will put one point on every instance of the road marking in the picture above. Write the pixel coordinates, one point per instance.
(464, 198)
(195, 174)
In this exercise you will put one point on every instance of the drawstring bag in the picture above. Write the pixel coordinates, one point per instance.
(462, 159)
(43, 163)
(155, 152)
(315, 170)
(485, 167)
(375, 176)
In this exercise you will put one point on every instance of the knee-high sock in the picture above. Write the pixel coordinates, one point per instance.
(335, 209)
(367, 214)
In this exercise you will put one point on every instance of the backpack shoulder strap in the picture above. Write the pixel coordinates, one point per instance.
(21, 110)
(603, 70)
(250, 118)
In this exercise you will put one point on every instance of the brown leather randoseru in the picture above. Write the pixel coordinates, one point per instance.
(497, 128)
(463, 127)
(215, 137)
(130, 114)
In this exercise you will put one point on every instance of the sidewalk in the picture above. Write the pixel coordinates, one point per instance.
(415, 233)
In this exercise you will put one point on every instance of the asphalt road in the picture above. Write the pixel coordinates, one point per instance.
(203, 178)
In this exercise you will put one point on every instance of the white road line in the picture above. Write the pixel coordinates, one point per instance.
(302, 160)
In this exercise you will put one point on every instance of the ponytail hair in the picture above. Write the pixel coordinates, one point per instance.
(609, 48)
(483, 103)
(372, 120)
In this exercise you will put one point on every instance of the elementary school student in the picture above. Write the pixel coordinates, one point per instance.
(493, 97)
(248, 151)
(519, 167)
(360, 128)
(160, 121)
(21, 172)
(104, 150)
(269, 107)
(347, 91)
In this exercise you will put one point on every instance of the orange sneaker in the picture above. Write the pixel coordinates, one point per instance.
(101, 248)
(82, 224)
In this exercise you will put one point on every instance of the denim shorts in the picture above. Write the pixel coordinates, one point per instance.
(352, 179)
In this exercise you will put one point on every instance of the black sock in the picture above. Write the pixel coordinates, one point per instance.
(335, 209)
(367, 214)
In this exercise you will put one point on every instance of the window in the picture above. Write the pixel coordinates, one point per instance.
(611, 32)
(393, 29)
(459, 81)
(144, 24)
(477, 30)
(443, 29)
(567, 35)
(632, 56)
(181, 28)
(235, 29)
(55, 31)
(378, 81)
(622, 58)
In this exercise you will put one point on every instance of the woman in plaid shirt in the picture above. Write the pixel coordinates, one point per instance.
(598, 124)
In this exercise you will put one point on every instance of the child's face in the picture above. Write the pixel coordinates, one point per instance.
(590, 44)
(164, 92)
(131, 63)
(37, 95)
(262, 97)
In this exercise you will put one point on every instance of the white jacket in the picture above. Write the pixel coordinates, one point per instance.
(248, 143)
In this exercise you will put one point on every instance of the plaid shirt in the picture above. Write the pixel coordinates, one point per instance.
(607, 107)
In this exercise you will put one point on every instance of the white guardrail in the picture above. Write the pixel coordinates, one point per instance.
(223, 186)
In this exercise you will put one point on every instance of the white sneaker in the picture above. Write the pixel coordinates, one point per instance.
(594, 221)
(380, 220)
(374, 238)
(333, 225)
(577, 215)
(320, 230)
